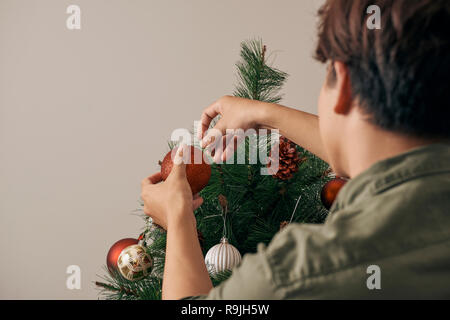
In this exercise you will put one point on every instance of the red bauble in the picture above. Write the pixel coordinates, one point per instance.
(330, 191)
(197, 174)
(114, 252)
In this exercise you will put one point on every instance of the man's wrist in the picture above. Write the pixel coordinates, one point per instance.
(183, 216)
(264, 115)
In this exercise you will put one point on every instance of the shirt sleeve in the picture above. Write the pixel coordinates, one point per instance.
(251, 280)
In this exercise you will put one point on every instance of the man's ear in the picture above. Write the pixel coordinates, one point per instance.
(343, 87)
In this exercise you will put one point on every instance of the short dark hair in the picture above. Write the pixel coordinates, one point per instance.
(400, 74)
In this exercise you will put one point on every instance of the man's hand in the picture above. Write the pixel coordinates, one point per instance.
(171, 199)
(236, 113)
(239, 113)
(171, 205)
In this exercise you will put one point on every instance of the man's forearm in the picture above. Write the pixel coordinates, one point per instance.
(298, 126)
(185, 272)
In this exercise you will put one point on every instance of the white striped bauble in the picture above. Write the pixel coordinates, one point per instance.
(222, 256)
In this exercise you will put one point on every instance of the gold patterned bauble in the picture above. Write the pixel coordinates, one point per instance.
(114, 253)
(221, 257)
(134, 263)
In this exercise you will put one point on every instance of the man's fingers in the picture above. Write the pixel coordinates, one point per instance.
(207, 116)
(153, 179)
(218, 151)
(225, 149)
(196, 203)
(156, 178)
(179, 165)
(231, 147)
(214, 134)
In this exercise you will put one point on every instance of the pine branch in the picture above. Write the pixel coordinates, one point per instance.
(120, 289)
(257, 80)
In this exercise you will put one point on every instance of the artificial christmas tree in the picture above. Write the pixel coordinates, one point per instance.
(240, 204)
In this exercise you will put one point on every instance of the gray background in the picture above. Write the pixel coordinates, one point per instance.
(85, 115)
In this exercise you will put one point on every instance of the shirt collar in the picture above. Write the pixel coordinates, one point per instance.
(422, 161)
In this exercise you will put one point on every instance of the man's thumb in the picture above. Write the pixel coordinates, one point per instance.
(179, 165)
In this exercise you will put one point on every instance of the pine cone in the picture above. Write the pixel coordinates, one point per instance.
(289, 160)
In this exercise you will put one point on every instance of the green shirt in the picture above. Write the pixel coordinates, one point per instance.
(394, 216)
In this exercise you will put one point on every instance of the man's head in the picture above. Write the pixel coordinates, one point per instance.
(396, 79)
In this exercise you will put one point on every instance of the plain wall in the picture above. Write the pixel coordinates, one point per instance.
(86, 115)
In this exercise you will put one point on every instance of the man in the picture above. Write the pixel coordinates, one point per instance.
(383, 122)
